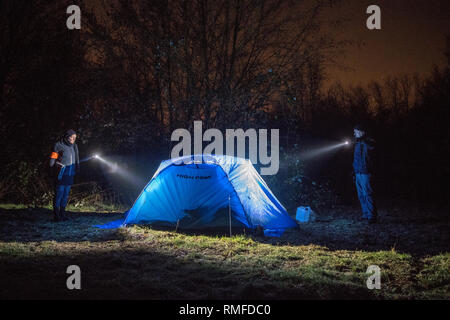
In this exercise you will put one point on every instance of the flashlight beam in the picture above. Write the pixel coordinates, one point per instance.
(95, 156)
(114, 168)
(319, 151)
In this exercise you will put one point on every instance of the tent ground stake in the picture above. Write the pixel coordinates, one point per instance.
(229, 212)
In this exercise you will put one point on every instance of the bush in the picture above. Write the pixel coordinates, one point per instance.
(23, 182)
(95, 196)
(294, 188)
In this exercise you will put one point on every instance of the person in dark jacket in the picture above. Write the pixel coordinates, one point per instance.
(363, 170)
(65, 162)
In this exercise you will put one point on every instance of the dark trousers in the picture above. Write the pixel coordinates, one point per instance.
(365, 195)
(61, 195)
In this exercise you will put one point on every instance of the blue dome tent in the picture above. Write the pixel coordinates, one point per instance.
(199, 191)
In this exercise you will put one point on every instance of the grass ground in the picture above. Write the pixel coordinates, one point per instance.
(326, 259)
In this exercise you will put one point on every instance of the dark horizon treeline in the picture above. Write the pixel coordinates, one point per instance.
(138, 70)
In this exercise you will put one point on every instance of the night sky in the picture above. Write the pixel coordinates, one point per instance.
(412, 39)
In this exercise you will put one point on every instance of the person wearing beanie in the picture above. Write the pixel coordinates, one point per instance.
(362, 171)
(65, 163)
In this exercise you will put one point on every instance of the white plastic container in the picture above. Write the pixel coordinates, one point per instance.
(304, 215)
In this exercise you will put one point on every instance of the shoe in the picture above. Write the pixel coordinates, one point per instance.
(63, 214)
(56, 216)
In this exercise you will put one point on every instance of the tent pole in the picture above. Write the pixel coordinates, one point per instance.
(229, 211)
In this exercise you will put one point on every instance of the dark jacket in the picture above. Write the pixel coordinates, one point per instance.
(363, 155)
(65, 161)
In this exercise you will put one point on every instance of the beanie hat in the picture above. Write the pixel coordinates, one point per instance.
(360, 127)
(69, 133)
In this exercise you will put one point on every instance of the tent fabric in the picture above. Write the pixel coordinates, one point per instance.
(192, 190)
(201, 190)
(111, 225)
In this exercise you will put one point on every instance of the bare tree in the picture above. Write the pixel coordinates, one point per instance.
(219, 61)
(36, 58)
